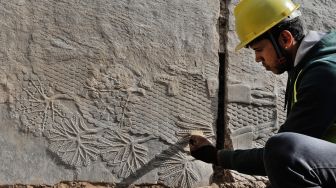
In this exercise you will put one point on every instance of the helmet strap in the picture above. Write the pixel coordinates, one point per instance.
(282, 56)
(275, 44)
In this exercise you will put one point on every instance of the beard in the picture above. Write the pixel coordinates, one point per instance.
(285, 63)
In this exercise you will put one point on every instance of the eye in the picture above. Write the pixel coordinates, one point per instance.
(258, 49)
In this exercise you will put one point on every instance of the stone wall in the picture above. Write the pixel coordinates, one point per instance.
(106, 90)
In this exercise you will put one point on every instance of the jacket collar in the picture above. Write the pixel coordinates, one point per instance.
(311, 38)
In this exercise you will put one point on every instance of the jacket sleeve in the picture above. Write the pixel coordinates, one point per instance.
(315, 109)
(249, 161)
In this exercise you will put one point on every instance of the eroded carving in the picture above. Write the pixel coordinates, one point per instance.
(196, 69)
(123, 152)
(75, 143)
(6, 88)
(61, 43)
(171, 82)
(245, 94)
(38, 104)
(59, 82)
(264, 130)
(105, 123)
(188, 124)
(243, 138)
(260, 107)
(176, 169)
(112, 93)
(212, 84)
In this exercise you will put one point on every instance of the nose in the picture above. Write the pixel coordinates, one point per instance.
(258, 58)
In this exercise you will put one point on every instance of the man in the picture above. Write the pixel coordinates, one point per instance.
(302, 153)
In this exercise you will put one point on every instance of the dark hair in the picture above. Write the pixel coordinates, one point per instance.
(294, 26)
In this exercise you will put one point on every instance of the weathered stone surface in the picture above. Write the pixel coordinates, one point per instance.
(79, 184)
(106, 90)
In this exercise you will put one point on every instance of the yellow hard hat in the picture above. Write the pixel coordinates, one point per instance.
(255, 17)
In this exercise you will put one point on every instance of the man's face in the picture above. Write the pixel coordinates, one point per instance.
(266, 54)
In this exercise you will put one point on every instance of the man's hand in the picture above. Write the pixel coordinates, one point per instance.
(202, 149)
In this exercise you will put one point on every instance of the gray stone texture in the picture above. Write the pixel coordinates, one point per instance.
(106, 91)
(256, 97)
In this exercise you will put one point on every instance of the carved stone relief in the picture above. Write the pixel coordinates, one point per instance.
(178, 169)
(109, 116)
(255, 113)
(110, 89)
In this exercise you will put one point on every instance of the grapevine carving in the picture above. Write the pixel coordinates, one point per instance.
(123, 152)
(177, 169)
(39, 106)
(101, 132)
(113, 94)
(74, 142)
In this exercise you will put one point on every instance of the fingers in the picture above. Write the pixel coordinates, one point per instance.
(202, 149)
(197, 141)
(193, 140)
(192, 143)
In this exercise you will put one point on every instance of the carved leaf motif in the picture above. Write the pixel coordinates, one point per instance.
(74, 142)
(176, 169)
(124, 153)
(39, 105)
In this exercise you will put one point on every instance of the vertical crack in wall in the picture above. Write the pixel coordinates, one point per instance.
(221, 175)
(222, 29)
(221, 102)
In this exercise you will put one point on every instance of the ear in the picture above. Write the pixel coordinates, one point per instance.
(286, 39)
